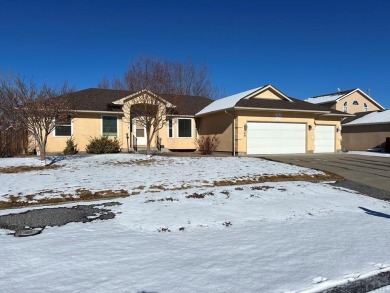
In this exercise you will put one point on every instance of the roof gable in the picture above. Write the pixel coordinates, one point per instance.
(227, 102)
(268, 92)
(266, 98)
(336, 97)
(136, 95)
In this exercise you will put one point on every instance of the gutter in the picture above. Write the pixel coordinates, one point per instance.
(234, 132)
(101, 112)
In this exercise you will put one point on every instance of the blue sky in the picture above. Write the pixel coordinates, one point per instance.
(303, 47)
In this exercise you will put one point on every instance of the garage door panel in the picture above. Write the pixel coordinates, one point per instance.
(324, 141)
(276, 138)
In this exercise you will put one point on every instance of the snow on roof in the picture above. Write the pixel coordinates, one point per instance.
(372, 118)
(227, 102)
(325, 99)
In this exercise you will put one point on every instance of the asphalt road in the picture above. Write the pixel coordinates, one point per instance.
(367, 173)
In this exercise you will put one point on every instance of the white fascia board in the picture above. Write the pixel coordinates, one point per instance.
(280, 110)
(336, 114)
(264, 88)
(122, 101)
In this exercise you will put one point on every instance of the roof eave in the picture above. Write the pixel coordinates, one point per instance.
(366, 124)
(278, 109)
(101, 112)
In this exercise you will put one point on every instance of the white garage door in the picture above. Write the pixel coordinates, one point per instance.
(324, 141)
(276, 138)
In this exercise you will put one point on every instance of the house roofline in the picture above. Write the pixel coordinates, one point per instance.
(264, 88)
(364, 94)
(134, 95)
(364, 124)
(278, 109)
(102, 112)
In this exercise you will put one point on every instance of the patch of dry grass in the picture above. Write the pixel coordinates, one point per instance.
(81, 195)
(21, 169)
(326, 176)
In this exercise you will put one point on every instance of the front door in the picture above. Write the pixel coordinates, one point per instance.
(140, 133)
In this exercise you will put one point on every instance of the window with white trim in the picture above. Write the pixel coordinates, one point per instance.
(184, 127)
(63, 127)
(109, 126)
(365, 107)
(170, 128)
(355, 103)
(345, 107)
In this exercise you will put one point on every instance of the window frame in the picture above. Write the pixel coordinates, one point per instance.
(71, 128)
(365, 107)
(178, 128)
(170, 130)
(102, 125)
(345, 107)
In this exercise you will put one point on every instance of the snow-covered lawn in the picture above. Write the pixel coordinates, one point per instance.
(268, 237)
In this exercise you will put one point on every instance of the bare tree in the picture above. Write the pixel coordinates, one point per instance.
(165, 77)
(150, 111)
(35, 108)
(151, 78)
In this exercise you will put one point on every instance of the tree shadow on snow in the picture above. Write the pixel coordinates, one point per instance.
(374, 213)
(56, 159)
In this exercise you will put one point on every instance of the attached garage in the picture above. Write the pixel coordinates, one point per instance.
(276, 138)
(324, 139)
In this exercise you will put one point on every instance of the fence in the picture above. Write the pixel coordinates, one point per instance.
(13, 142)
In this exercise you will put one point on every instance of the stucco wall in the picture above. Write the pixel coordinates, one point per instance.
(356, 96)
(176, 142)
(221, 125)
(363, 137)
(84, 127)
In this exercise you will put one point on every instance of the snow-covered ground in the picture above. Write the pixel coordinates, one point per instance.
(269, 237)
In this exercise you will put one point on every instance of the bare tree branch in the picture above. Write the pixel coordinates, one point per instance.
(36, 108)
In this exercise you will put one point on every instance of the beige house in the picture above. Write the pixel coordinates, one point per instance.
(259, 121)
(368, 128)
(266, 121)
(350, 101)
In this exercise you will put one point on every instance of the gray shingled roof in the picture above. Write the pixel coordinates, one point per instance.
(94, 99)
(283, 104)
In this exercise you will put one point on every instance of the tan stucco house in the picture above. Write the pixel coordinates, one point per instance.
(367, 130)
(370, 125)
(259, 121)
(350, 101)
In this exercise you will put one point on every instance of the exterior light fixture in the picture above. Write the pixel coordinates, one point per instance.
(310, 127)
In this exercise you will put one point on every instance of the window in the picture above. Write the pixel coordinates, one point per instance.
(345, 107)
(185, 128)
(170, 128)
(109, 125)
(63, 127)
(365, 107)
(355, 103)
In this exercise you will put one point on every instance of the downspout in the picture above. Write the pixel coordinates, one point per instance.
(234, 132)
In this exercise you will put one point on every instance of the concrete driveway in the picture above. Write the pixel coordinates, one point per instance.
(367, 170)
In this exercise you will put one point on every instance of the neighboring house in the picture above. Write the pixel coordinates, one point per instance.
(366, 131)
(350, 101)
(259, 121)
